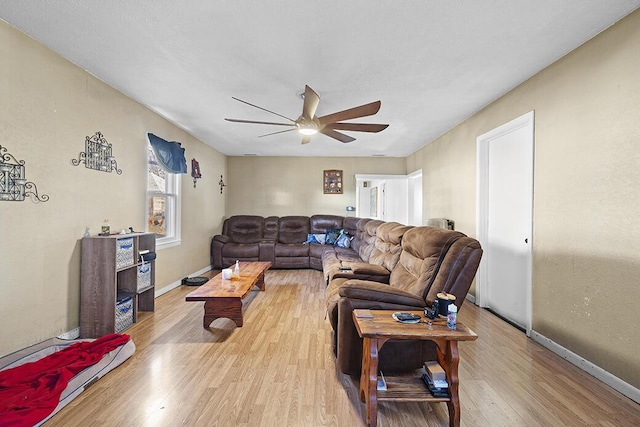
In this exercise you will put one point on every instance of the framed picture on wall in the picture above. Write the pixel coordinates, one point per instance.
(332, 181)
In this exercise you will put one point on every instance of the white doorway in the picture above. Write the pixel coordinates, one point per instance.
(382, 197)
(505, 219)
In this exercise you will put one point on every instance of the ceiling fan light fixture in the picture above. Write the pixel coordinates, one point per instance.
(307, 131)
(308, 124)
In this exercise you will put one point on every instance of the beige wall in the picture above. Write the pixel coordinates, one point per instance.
(586, 198)
(47, 108)
(293, 185)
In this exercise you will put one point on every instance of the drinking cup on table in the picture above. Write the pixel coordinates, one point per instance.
(444, 299)
(226, 273)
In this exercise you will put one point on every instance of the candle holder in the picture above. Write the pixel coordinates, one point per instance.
(97, 155)
(13, 185)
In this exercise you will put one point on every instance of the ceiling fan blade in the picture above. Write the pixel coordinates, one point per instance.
(275, 133)
(263, 109)
(352, 113)
(306, 140)
(337, 135)
(311, 100)
(357, 127)
(253, 122)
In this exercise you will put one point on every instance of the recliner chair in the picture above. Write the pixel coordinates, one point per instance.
(432, 260)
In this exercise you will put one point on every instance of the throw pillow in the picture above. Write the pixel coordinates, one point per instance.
(344, 241)
(315, 238)
(332, 236)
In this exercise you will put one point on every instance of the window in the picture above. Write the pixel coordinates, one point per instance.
(163, 202)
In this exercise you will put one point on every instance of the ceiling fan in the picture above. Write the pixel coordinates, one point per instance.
(308, 124)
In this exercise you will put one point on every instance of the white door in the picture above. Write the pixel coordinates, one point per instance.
(505, 213)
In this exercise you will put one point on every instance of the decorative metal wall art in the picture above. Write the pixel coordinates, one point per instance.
(13, 184)
(97, 155)
(221, 184)
(332, 182)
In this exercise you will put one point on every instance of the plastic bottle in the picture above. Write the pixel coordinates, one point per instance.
(105, 228)
(452, 314)
(236, 269)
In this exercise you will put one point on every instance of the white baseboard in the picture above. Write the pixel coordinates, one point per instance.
(606, 377)
(471, 298)
(70, 335)
(177, 283)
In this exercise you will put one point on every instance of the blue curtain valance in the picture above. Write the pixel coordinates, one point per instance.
(170, 155)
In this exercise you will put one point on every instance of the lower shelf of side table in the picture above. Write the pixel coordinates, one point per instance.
(407, 389)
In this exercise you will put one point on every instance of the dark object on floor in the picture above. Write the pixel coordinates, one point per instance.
(195, 281)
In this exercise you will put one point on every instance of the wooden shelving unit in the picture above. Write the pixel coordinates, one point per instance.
(109, 271)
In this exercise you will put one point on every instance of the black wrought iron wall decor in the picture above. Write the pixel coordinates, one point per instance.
(13, 184)
(221, 184)
(97, 155)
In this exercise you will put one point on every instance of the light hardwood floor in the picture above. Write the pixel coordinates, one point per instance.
(278, 370)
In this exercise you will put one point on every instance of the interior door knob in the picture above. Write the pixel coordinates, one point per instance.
(526, 240)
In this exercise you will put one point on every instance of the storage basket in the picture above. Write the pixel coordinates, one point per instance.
(124, 252)
(124, 314)
(144, 276)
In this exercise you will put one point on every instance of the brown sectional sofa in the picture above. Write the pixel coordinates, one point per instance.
(279, 240)
(387, 266)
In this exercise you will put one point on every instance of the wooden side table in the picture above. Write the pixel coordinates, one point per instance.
(380, 328)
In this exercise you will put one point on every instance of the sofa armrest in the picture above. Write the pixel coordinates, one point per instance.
(221, 238)
(267, 251)
(369, 269)
(377, 292)
(217, 242)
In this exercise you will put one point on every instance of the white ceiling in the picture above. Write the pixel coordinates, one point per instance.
(432, 63)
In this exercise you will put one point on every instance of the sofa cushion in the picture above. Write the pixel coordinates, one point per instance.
(322, 223)
(368, 239)
(423, 249)
(359, 234)
(271, 228)
(293, 229)
(285, 250)
(386, 248)
(345, 254)
(241, 251)
(244, 228)
(350, 225)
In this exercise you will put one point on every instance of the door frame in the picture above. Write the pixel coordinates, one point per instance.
(414, 179)
(482, 220)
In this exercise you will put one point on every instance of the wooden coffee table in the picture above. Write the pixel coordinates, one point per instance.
(377, 330)
(223, 297)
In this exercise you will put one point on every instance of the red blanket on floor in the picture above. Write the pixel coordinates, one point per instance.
(30, 392)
